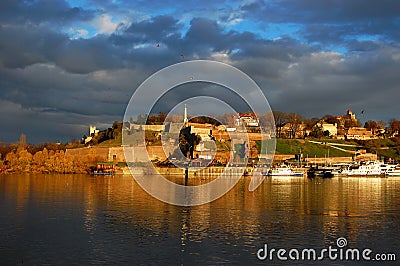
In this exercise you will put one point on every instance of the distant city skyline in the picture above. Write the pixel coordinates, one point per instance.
(68, 64)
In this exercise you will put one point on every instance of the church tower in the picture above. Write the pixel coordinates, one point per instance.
(185, 119)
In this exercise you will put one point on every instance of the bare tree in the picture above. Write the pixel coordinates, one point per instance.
(22, 142)
(352, 123)
(381, 124)
(371, 125)
(330, 119)
(394, 125)
(227, 119)
(295, 121)
(281, 118)
(267, 122)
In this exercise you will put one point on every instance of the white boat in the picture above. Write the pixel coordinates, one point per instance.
(394, 171)
(337, 169)
(365, 169)
(385, 168)
(283, 170)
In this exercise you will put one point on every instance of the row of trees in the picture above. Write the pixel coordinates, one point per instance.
(43, 158)
(280, 119)
(391, 128)
(48, 161)
(294, 121)
(50, 146)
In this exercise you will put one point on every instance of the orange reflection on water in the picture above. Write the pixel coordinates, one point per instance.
(326, 208)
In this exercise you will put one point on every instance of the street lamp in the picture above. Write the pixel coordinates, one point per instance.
(300, 157)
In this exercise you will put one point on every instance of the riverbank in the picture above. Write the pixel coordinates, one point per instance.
(84, 159)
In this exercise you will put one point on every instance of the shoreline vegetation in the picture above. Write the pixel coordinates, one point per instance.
(44, 158)
(50, 157)
(46, 161)
(55, 158)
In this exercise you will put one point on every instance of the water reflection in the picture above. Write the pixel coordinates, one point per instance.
(86, 219)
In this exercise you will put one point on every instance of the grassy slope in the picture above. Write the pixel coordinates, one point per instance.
(383, 147)
(111, 142)
(290, 146)
(340, 141)
(283, 146)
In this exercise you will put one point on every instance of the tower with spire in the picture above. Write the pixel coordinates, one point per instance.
(185, 119)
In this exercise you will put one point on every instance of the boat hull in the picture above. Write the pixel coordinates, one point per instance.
(285, 173)
(393, 174)
(103, 173)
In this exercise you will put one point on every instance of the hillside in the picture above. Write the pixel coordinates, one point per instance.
(293, 146)
(319, 147)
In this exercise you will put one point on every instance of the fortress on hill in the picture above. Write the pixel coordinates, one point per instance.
(216, 140)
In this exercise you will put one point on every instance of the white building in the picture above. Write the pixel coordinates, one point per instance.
(249, 119)
(93, 130)
(332, 128)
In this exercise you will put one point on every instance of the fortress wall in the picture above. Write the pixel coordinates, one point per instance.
(101, 152)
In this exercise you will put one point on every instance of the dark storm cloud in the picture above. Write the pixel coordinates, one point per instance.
(48, 88)
(48, 103)
(332, 20)
(120, 49)
(45, 126)
(346, 33)
(156, 28)
(23, 45)
(203, 32)
(365, 46)
(186, 91)
(165, 7)
(331, 83)
(203, 38)
(284, 49)
(328, 11)
(153, 31)
(88, 55)
(53, 82)
(39, 11)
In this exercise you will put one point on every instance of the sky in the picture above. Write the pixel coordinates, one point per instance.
(65, 65)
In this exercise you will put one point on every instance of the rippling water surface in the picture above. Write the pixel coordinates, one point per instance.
(81, 219)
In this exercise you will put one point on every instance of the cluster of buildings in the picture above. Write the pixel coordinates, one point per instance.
(206, 149)
(249, 120)
(346, 127)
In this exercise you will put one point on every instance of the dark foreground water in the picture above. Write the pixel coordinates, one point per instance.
(81, 219)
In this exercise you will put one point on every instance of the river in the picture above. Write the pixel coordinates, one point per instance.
(82, 219)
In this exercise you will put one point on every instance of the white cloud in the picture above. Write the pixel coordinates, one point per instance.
(104, 24)
(221, 56)
(234, 18)
(77, 33)
(82, 32)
